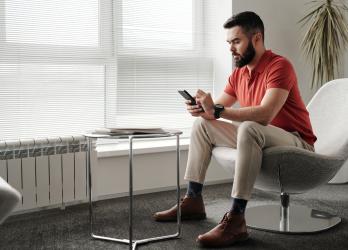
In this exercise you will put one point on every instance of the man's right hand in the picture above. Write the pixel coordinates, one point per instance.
(197, 111)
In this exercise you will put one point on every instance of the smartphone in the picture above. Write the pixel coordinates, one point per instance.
(187, 96)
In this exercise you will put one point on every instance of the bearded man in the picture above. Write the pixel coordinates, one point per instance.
(271, 113)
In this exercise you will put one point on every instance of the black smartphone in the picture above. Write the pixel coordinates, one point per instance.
(187, 96)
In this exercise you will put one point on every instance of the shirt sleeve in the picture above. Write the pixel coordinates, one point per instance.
(230, 88)
(281, 75)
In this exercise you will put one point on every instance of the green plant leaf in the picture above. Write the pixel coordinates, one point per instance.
(325, 38)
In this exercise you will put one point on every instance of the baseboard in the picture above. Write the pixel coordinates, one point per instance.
(156, 190)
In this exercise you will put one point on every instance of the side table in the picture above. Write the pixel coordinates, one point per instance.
(131, 138)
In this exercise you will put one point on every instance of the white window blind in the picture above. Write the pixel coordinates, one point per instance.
(53, 57)
(68, 66)
(54, 22)
(46, 100)
(160, 49)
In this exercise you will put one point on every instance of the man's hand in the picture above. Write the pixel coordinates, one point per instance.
(194, 110)
(199, 110)
(205, 100)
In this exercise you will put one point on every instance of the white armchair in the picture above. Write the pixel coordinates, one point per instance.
(9, 197)
(291, 170)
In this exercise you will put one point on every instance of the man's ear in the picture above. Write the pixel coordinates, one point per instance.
(258, 37)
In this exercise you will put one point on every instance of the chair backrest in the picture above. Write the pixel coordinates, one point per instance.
(328, 112)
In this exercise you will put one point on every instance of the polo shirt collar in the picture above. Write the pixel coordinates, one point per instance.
(260, 67)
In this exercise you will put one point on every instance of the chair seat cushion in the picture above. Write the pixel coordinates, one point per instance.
(286, 169)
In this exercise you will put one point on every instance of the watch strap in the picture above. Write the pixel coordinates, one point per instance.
(218, 108)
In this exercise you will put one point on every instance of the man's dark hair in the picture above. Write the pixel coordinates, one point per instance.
(249, 21)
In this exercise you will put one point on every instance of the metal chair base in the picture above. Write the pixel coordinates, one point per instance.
(289, 220)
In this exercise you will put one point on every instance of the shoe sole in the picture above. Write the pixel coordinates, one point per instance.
(183, 218)
(241, 239)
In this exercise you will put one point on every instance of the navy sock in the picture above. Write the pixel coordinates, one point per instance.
(238, 206)
(194, 189)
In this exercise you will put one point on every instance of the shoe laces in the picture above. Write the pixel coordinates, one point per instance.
(182, 201)
(225, 220)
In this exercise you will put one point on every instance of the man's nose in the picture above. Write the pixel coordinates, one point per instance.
(232, 49)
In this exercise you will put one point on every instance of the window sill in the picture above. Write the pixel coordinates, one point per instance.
(140, 147)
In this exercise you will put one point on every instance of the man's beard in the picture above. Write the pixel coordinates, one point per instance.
(247, 57)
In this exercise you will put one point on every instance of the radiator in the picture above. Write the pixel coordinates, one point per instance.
(47, 172)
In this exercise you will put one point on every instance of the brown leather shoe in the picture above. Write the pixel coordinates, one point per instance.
(230, 230)
(191, 209)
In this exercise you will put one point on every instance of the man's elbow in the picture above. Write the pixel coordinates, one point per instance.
(265, 120)
(264, 116)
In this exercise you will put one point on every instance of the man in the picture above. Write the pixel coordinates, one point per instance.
(272, 113)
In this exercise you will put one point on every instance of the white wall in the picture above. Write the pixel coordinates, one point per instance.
(152, 172)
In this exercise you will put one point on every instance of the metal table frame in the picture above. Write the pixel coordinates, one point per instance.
(130, 241)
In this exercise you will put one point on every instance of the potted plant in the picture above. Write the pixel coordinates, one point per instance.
(325, 39)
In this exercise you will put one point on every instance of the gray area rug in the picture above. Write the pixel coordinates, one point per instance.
(69, 228)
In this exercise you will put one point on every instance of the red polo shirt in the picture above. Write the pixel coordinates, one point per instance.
(273, 71)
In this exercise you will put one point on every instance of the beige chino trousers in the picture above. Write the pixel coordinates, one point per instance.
(248, 138)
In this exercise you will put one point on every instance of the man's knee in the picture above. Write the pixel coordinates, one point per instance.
(250, 129)
(200, 124)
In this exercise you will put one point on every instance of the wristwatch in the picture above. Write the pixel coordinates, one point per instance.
(218, 108)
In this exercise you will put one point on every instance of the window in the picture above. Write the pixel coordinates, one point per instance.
(54, 56)
(159, 50)
(68, 66)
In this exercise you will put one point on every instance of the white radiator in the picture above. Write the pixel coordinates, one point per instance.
(46, 172)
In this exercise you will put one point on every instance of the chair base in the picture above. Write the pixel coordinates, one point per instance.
(290, 220)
